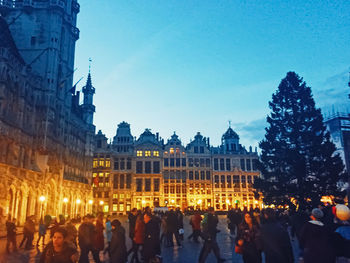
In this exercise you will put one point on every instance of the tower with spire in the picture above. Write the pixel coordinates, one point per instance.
(88, 107)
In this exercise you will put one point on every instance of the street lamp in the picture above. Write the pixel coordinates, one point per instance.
(42, 200)
(78, 203)
(65, 201)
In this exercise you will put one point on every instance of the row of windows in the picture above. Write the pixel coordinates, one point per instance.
(147, 153)
(172, 189)
(121, 181)
(146, 167)
(101, 163)
(199, 175)
(234, 179)
(172, 162)
(145, 185)
(178, 175)
(122, 164)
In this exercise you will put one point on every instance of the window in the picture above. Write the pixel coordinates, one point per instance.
(115, 181)
(128, 181)
(207, 162)
(156, 153)
(139, 167)
(102, 162)
(222, 181)
(202, 162)
(100, 175)
(190, 175)
(177, 162)
(116, 164)
(171, 151)
(172, 189)
(184, 162)
(216, 164)
(166, 174)
(172, 162)
(100, 184)
(202, 175)
(156, 167)
(147, 185)
(228, 165)
(235, 179)
(190, 162)
(196, 162)
(172, 174)
(249, 179)
(121, 183)
(248, 165)
(147, 153)
(148, 168)
(166, 162)
(115, 207)
(195, 149)
(138, 185)
(222, 165)
(156, 185)
(255, 164)
(184, 175)
(128, 164)
(166, 189)
(242, 164)
(121, 207)
(33, 41)
(201, 149)
(207, 176)
(138, 153)
(106, 194)
(122, 164)
(178, 189)
(94, 175)
(196, 175)
(108, 163)
(95, 164)
(115, 196)
(105, 208)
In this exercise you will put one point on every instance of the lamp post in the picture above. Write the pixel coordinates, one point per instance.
(90, 203)
(65, 201)
(77, 207)
(101, 204)
(42, 200)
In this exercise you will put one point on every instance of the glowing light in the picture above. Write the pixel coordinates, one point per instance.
(65, 200)
(172, 200)
(143, 202)
(101, 202)
(42, 198)
(78, 201)
(90, 202)
(256, 202)
(199, 201)
(227, 201)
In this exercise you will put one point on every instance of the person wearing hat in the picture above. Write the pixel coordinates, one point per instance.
(318, 242)
(342, 213)
(117, 247)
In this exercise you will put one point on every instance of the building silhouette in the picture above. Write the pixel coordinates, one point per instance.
(146, 171)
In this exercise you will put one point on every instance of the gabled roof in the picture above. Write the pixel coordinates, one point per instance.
(6, 39)
(230, 134)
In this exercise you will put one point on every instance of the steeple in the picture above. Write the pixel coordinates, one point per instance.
(88, 106)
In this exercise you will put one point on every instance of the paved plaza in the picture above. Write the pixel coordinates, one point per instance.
(187, 254)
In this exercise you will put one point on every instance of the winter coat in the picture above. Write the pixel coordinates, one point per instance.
(117, 246)
(50, 256)
(99, 241)
(251, 242)
(151, 246)
(108, 231)
(196, 221)
(132, 223)
(172, 221)
(276, 243)
(139, 232)
(86, 233)
(319, 243)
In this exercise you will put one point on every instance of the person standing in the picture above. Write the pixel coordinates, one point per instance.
(98, 241)
(58, 250)
(138, 237)
(42, 232)
(318, 241)
(108, 235)
(11, 234)
(196, 226)
(86, 233)
(151, 246)
(275, 240)
(248, 238)
(209, 234)
(132, 222)
(117, 246)
(172, 226)
(180, 223)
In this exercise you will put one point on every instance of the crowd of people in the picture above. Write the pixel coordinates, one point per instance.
(323, 236)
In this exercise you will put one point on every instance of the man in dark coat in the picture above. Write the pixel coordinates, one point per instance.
(172, 226)
(275, 240)
(86, 233)
(209, 235)
(151, 246)
(117, 246)
(319, 243)
(11, 234)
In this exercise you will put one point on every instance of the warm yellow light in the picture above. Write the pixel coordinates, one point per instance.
(90, 202)
(65, 200)
(227, 201)
(78, 201)
(256, 202)
(172, 200)
(101, 202)
(42, 198)
(199, 201)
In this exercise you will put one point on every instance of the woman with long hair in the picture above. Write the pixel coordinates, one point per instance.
(248, 239)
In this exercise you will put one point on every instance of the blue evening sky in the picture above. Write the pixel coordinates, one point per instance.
(190, 66)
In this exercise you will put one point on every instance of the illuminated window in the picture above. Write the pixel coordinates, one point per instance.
(108, 163)
(115, 196)
(94, 175)
(121, 207)
(115, 208)
(107, 184)
(101, 174)
(102, 162)
(107, 175)
(95, 163)
(171, 150)
(100, 184)
(155, 153)
(106, 208)
(139, 153)
(147, 153)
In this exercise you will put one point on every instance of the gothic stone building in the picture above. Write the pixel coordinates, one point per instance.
(146, 171)
(46, 137)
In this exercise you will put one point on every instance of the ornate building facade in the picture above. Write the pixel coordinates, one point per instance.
(46, 136)
(142, 172)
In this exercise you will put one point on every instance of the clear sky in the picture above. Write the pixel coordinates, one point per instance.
(190, 66)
